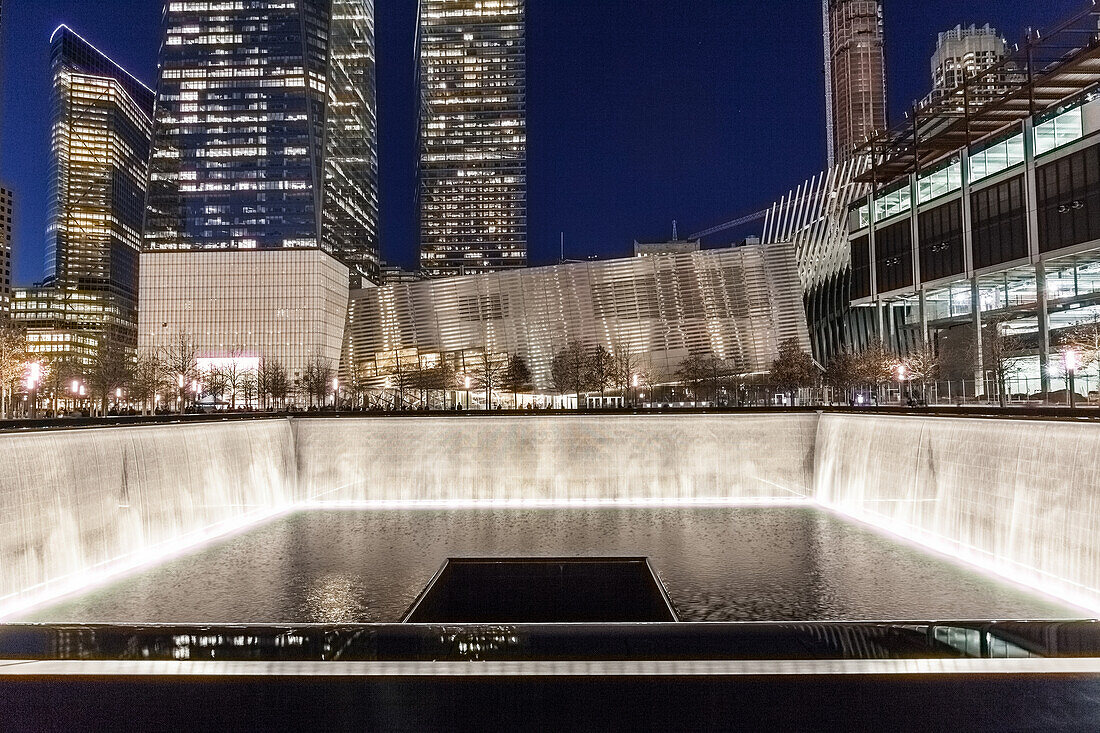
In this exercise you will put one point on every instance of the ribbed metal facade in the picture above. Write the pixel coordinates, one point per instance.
(473, 136)
(738, 304)
(813, 218)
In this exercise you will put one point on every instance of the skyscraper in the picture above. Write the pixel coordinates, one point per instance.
(473, 136)
(855, 74)
(963, 52)
(266, 131)
(100, 126)
(7, 202)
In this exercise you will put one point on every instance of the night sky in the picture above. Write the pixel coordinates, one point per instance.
(639, 111)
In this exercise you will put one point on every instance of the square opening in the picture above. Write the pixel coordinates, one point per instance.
(543, 590)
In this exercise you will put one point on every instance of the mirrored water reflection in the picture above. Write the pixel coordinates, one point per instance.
(718, 564)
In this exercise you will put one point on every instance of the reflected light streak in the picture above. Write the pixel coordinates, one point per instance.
(1058, 590)
(109, 571)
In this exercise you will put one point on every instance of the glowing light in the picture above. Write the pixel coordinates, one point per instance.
(1072, 360)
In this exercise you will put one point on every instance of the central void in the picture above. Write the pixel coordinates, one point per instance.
(717, 564)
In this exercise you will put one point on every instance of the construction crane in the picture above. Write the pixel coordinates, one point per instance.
(731, 224)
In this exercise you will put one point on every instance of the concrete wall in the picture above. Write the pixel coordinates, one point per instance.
(76, 505)
(1019, 497)
(557, 458)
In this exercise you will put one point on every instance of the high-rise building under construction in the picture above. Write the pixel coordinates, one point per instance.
(855, 74)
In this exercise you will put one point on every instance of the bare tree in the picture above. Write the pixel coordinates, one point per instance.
(248, 382)
(273, 381)
(842, 373)
(601, 369)
(180, 362)
(13, 359)
(317, 377)
(792, 369)
(234, 373)
(215, 382)
(569, 370)
(489, 374)
(1084, 338)
(922, 365)
(146, 380)
(517, 377)
(692, 372)
(110, 370)
(1001, 351)
(628, 369)
(875, 365)
(57, 371)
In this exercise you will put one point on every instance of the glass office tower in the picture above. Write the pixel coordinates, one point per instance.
(473, 136)
(266, 134)
(100, 127)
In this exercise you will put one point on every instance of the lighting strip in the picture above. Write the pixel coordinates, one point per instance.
(634, 668)
(406, 504)
(1055, 589)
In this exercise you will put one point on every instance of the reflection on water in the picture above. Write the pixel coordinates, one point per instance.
(336, 597)
(730, 564)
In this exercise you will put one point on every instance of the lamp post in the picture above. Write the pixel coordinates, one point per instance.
(118, 397)
(1071, 360)
(34, 376)
(633, 388)
(901, 372)
(466, 382)
(182, 394)
(194, 392)
(335, 391)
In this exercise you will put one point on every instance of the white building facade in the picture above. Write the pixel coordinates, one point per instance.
(275, 305)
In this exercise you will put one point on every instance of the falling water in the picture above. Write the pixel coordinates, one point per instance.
(1018, 497)
(557, 460)
(80, 505)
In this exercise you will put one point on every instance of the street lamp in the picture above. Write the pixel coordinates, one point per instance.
(335, 390)
(466, 381)
(1072, 361)
(34, 376)
(901, 372)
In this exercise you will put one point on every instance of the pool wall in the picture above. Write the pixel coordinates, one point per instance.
(557, 459)
(1020, 497)
(80, 505)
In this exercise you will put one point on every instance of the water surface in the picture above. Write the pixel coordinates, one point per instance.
(719, 564)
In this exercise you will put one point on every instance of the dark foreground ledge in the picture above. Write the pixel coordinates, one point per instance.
(811, 676)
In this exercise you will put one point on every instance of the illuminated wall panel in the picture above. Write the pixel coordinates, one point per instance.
(473, 136)
(284, 305)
